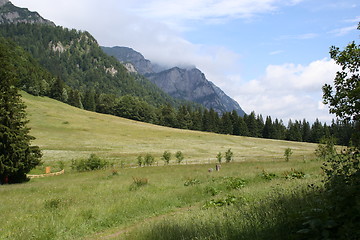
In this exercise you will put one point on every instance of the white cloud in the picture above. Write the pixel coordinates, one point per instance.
(289, 91)
(353, 20)
(343, 31)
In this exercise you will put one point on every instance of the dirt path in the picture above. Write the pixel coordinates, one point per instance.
(123, 231)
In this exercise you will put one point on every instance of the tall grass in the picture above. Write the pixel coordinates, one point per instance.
(278, 215)
(75, 205)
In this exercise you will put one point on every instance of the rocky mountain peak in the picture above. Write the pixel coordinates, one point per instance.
(12, 14)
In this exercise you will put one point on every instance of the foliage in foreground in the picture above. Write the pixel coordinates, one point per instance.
(276, 216)
(338, 217)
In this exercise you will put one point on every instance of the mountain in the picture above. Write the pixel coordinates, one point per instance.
(188, 84)
(192, 85)
(12, 14)
(128, 55)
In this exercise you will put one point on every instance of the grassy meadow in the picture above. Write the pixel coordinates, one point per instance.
(178, 201)
(64, 132)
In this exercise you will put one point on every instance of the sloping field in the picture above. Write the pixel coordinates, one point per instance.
(110, 204)
(64, 133)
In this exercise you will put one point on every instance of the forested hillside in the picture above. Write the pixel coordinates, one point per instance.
(75, 58)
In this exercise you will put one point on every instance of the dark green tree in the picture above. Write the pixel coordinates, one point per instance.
(305, 131)
(226, 124)
(344, 98)
(167, 116)
(17, 156)
(89, 100)
(243, 129)
(294, 131)
(269, 129)
(57, 90)
(235, 123)
(183, 117)
(252, 124)
(317, 131)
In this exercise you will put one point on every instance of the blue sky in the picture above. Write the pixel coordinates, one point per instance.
(271, 56)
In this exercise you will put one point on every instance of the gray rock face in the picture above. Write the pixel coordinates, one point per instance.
(12, 14)
(128, 55)
(189, 84)
(3, 2)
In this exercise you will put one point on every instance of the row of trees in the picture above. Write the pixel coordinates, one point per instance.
(198, 118)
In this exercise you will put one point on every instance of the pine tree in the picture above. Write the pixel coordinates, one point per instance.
(17, 157)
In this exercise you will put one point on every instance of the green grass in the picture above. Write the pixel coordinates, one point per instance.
(91, 205)
(64, 133)
(75, 205)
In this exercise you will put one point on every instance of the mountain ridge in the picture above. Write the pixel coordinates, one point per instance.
(10, 13)
(184, 83)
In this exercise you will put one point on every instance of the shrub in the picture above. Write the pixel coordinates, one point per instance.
(339, 213)
(179, 156)
(219, 157)
(326, 148)
(90, 164)
(288, 152)
(229, 155)
(140, 161)
(267, 176)
(212, 190)
(294, 174)
(191, 181)
(149, 159)
(61, 165)
(166, 157)
(234, 182)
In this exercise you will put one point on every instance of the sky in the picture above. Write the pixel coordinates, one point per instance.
(271, 56)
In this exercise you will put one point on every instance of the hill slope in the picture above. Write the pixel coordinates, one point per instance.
(65, 133)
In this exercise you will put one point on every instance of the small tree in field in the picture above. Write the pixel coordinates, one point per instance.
(166, 157)
(179, 156)
(229, 155)
(149, 159)
(219, 157)
(140, 160)
(17, 156)
(287, 154)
